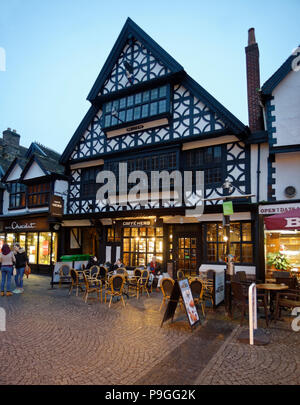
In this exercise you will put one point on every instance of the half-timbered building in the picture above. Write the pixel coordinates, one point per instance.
(146, 111)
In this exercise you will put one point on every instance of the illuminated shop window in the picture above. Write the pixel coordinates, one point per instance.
(141, 244)
(241, 244)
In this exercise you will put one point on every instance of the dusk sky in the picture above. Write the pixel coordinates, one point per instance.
(55, 50)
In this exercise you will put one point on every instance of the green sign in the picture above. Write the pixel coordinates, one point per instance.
(227, 208)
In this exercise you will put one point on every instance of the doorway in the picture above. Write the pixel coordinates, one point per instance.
(188, 253)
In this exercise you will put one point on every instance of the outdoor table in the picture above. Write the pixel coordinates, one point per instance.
(272, 288)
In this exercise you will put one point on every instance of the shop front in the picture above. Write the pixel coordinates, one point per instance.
(35, 235)
(282, 238)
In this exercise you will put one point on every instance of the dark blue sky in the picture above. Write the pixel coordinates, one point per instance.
(56, 48)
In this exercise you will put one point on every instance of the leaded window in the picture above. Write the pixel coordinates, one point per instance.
(208, 160)
(138, 106)
(88, 182)
(38, 194)
(17, 195)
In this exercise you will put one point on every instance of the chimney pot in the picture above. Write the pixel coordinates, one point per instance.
(251, 36)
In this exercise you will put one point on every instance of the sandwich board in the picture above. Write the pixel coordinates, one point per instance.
(181, 289)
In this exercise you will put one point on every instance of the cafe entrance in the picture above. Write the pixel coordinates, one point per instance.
(188, 252)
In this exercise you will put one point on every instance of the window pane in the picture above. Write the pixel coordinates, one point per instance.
(235, 232)
(222, 252)
(115, 105)
(154, 94)
(44, 247)
(32, 239)
(122, 116)
(247, 252)
(217, 153)
(129, 115)
(108, 107)
(162, 106)
(209, 155)
(138, 98)
(54, 247)
(123, 103)
(153, 108)
(163, 91)
(129, 101)
(211, 235)
(145, 110)
(107, 120)
(212, 252)
(146, 96)
(235, 250)
(246, 232)
(137, 113)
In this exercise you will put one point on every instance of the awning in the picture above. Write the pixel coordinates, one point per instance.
(289, 220)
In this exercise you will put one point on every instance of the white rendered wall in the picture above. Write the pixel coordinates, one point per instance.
(15, 173)
(287, 110)
(61, 189)
(287, 173)
(263, 177)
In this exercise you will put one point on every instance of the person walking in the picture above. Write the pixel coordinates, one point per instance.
(21, 262)
(7, 259)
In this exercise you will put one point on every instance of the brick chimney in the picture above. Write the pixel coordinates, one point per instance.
(255, 113)
(10, 137)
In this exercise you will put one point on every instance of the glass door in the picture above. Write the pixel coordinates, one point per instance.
(187, 254)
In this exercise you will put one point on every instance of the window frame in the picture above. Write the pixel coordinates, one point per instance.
(14, 194)
(42, 190)
(90, 184)
(218, 243)
(116, 124)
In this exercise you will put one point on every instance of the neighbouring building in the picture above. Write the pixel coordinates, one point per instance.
(146, 111)
(34, 189)
(280, 96)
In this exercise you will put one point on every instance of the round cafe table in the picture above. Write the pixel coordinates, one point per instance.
(272, 288)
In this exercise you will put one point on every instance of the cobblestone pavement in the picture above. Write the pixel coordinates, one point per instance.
(53, 338)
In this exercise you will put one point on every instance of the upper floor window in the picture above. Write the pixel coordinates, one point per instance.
(138, 106)
(38, 194)
(17, 196)
(88, 182)
(208, 159)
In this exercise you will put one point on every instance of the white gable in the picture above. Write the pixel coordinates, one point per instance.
(34, 171)
(287, 111)
(15, 173)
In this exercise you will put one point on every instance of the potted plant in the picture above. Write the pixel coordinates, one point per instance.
(279, 261)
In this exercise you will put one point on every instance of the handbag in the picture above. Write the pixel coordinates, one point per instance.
(14, 271)
(27, 270)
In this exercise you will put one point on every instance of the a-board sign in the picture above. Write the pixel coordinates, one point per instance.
(182, 289)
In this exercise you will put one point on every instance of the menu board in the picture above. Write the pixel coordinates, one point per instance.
(188, 301)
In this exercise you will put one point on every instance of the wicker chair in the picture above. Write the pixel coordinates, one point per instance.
(197, 293)
(143, 283)
(240, 300)
(287, 299)
(90, 287)
(133, 283)
(240, 276)
(115, 288)
(122, 271)
(64, 274)
(180, 275)
(166, 286)
(94, 270)
(76, 282)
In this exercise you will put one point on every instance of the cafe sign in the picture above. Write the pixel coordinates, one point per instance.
(56, 206)
(143, 223)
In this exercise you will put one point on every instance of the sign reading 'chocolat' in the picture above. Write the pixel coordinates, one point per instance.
(23, 225)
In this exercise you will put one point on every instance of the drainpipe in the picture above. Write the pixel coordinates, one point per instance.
(258, 172)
